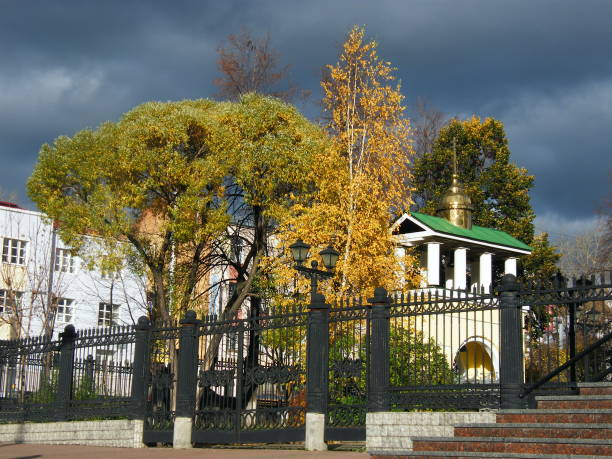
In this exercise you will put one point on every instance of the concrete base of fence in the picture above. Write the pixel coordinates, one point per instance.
(315, 432)
(182, 433)
(119, 433)
(391, 432)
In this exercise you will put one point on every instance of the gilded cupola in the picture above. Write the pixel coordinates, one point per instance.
(456, 205)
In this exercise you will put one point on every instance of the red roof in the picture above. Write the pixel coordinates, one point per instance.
(9, 204)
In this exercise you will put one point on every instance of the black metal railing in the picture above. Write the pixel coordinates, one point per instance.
(255, 376)
(445, 348)
(348, 336)
(79, 376)
(564, 320)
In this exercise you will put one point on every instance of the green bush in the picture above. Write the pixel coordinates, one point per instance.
(47, 390)
(416, 361)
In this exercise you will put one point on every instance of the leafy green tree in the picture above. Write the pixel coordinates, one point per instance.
(181, 183)
(498, 188)
(541, 264)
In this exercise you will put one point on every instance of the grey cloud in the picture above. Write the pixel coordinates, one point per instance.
(560, 137)
(542, 68)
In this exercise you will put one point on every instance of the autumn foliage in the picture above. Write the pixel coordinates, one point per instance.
(362, 182)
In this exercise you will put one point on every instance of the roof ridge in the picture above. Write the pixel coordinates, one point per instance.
(496, 236)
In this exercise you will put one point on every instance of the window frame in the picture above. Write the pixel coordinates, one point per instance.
(9, 245)
(64, 261)
(70, 306)
(105, 308)
(5, 307)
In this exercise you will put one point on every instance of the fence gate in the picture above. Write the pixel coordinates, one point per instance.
(251, 379)
(160, 384)
(348, 378)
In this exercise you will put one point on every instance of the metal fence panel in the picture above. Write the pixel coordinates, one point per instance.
(160, 404)
(251, 378)
(349, 348)
(444, 347)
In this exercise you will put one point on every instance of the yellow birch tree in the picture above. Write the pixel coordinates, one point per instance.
(363, 182)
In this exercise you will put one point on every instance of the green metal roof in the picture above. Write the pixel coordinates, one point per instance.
(477, 233)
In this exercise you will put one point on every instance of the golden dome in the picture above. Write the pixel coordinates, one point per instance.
(456, 206)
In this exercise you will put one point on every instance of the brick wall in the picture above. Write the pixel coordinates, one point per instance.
(119, 433)
(390, 432)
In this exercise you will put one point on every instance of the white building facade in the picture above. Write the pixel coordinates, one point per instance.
(44, 286)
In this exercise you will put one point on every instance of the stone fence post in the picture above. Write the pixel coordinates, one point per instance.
(317, 362)
(186, 380)
(378, 373)
(511, 373)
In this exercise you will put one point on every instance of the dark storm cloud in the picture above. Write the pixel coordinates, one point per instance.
(544, 69)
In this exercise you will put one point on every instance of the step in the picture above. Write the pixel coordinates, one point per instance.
(578, 402)
(514, 445)
(595, 388)
(603, 416)
(535, 430)
(467, 454)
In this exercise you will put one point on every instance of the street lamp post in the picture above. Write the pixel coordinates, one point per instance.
(317, 343)
(299, 251)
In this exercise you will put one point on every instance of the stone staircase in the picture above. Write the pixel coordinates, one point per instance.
(561, 427)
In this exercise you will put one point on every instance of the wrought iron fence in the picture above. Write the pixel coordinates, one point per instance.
(253, 377)
(445, 350)
(348, 363)
(568, 326)
(29, 371)
(160, 364)
(79, 376)
(101, 370)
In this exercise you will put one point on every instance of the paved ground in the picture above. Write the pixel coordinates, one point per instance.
(12, 451)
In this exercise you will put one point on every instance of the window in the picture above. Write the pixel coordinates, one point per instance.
(108, 275)
(104, 355)
(8, 300)
(107, 313)
(64, 261)
(232, 341)
(64, 311)
(231, 289)
(14, 251)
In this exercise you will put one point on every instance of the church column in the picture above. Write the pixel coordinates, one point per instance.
(460, 274)
(474, 275)
(486, 271)
(400, 253)
(433, 264)
(510, 266)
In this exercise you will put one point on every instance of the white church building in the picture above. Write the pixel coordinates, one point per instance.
(460, 260)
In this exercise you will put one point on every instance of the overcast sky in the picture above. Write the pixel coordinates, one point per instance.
(544, 68)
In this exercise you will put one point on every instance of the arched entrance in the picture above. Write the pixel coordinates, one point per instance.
(474, 364)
